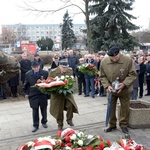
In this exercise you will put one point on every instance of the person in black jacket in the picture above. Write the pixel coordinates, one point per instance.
(36, 98)
(39, 60)
(25, 66)
(141, 75)
(80, 77)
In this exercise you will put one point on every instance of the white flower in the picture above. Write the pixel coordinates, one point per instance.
(67, 148)
(80, 134)
(73, 137)
(90, 136)
(80, 142)
(62, 77)
(67, 76)
(72, 77)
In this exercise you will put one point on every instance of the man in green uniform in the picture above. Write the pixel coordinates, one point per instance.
(117, 65)
(9, 67)
(60, 102)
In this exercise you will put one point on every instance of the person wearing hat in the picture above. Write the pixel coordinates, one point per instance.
(60, 102)
(39, 60)
(25, 66)
(118, 65)
(36, 98)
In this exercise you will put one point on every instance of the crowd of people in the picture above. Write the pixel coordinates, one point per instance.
(132, 72)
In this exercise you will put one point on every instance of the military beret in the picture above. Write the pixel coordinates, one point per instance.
(63, 63)
(113, 51)
(34, 64)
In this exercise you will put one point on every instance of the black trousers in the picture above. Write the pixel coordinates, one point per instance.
(14, 90)
(35, 116)
(81, 85)
(141, 89)
(3, 90)
(148, 86)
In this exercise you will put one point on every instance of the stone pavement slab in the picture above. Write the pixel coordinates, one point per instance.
(16, 122)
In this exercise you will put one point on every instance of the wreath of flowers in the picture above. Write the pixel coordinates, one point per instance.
(90, 69)
(71, 139)
(57, 85)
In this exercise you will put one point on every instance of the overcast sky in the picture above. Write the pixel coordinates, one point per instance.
(10, 13)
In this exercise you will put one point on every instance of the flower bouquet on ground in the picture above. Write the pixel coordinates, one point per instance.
(90, 69)
(71, 139)
(57, 85)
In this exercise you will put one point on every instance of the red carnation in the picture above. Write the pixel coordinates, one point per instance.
(108, 142)
(67, 139)
(69, 144)
(102, 145)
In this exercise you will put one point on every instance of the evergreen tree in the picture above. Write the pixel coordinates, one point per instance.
(111, 24)
(68, 36)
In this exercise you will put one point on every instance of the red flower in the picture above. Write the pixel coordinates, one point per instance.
(62, 144)
(67, 139)
(101, 138)
(69, 144)
(108, 142)
(102, 145)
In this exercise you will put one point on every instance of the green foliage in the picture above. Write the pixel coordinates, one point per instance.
(111, 24)
(68, 36)
(45, 44)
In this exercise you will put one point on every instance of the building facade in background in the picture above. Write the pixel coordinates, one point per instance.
(35, 32)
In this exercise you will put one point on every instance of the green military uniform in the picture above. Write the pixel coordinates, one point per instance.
(9, 67)
(59, 102)
(125, 70)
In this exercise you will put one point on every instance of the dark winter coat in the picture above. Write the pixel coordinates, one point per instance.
(36, 98)
(40, 61)
(14, 81)
(142, 72)
(25, 66)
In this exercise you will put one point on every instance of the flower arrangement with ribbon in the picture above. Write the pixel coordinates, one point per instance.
(71, 139)
(90, 69)
(57, 85)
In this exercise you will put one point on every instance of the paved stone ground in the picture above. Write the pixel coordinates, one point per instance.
(16, 122)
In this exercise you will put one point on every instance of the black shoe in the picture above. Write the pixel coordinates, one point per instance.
(86, 95)
(45, 125)
(93, 96)
(70, 122)
(147, 94)
(124, 130)
(34, 129)
(140, 96)
(80, 94)
(109, 129)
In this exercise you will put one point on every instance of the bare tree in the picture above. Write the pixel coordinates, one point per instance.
(65, 4)
(8, 36)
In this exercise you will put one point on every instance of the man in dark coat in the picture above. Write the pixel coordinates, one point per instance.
(60, 102)
(141, 75)
(80, 77)
(72, 61)
(36, 98)
(39, 60)
(25, 66)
